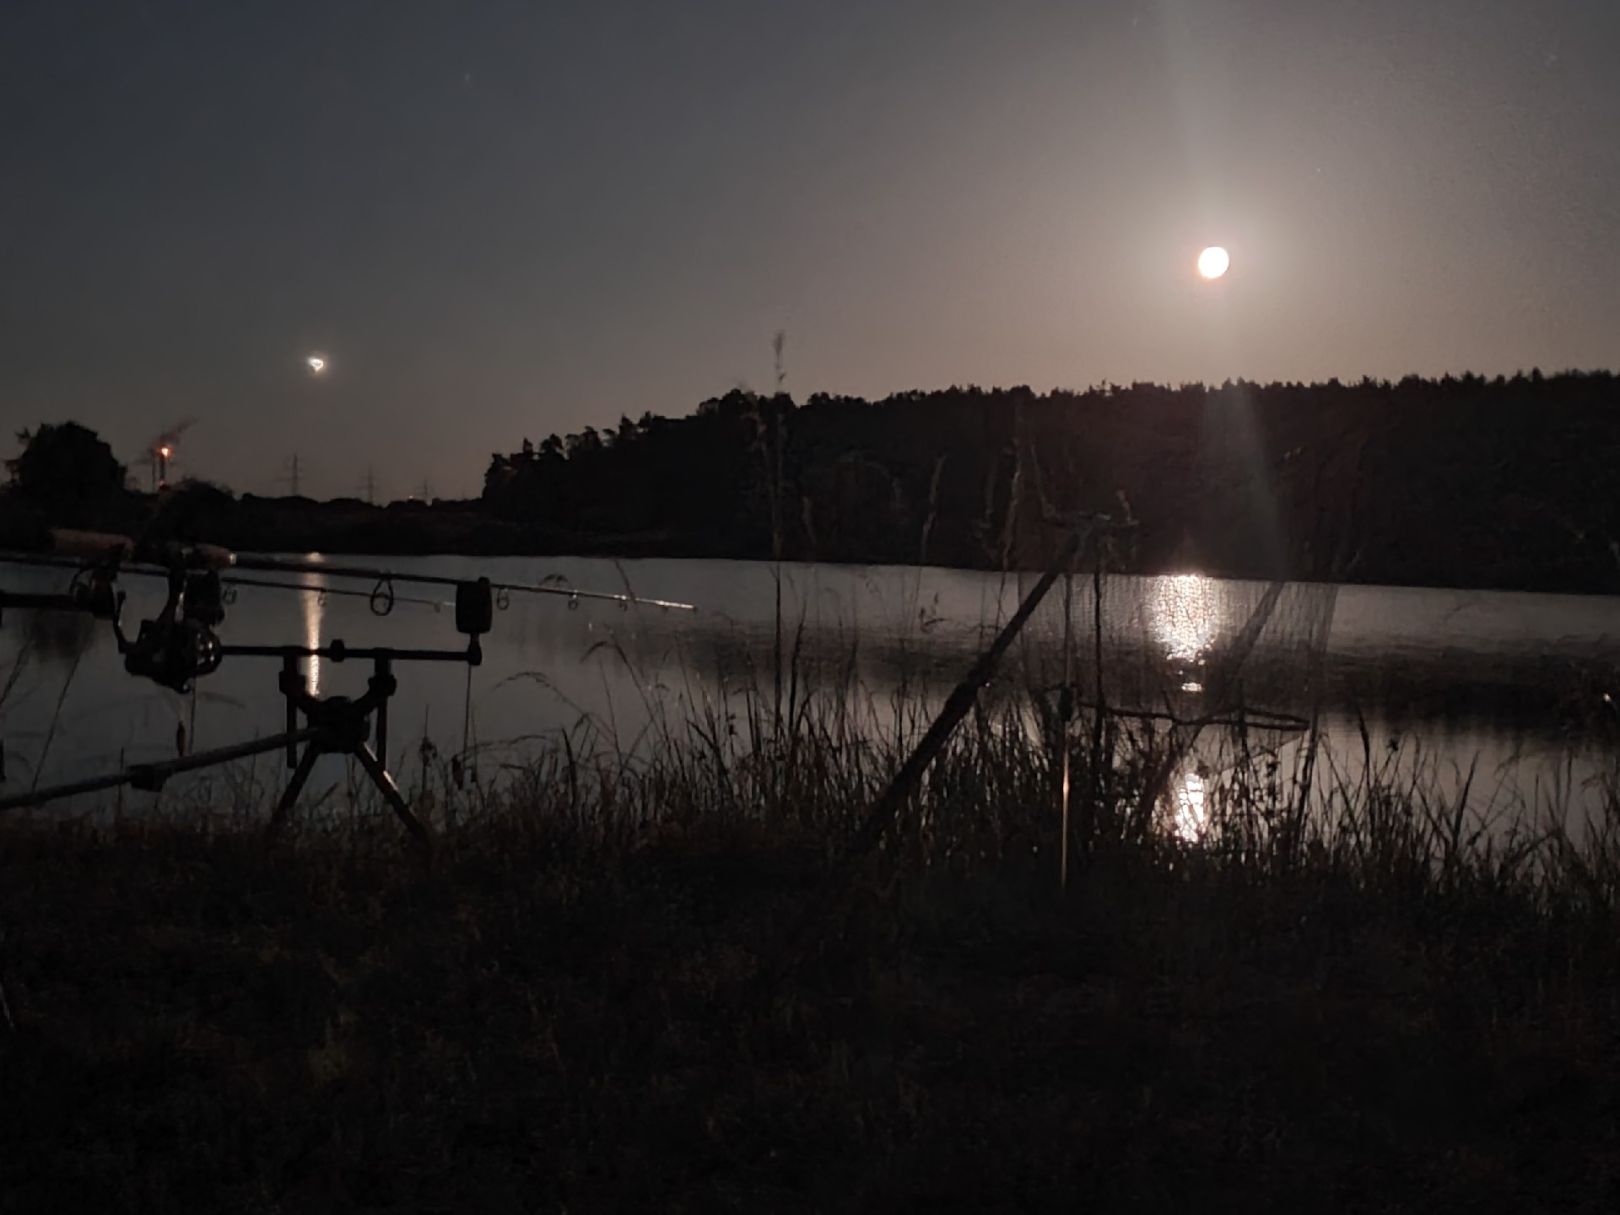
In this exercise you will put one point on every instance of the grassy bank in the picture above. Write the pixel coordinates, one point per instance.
(652, 985)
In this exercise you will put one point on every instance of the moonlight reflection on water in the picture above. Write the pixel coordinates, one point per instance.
(1191, 815)
(1186, 612)
(312, 603)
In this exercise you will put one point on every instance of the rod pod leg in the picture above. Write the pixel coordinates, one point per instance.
(295, 786)
(383, 779)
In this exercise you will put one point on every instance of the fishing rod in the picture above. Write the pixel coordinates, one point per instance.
(48, 561)
(288, 566)
(69, 547)
(179, 645)
(323, 591)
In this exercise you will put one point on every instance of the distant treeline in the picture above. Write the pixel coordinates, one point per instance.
(1510, 483)
(1463, 480)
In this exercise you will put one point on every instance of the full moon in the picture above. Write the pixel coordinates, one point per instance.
(1214, 262)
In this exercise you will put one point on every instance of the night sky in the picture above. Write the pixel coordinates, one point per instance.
(504, 219)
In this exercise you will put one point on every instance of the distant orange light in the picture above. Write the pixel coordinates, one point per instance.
(165, 451)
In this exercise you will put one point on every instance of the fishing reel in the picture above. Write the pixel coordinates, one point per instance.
(92, 592)
(96, 591)
(171, 653)
(179, 644)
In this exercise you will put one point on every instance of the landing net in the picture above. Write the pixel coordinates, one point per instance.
(1184, 648)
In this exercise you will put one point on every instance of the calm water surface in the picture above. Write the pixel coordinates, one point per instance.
(1513, 687)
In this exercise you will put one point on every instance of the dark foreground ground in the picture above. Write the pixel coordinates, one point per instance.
(206, 1024)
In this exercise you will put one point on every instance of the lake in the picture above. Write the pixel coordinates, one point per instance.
(1515, 688)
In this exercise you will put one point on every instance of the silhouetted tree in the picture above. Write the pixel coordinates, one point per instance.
(65, 463)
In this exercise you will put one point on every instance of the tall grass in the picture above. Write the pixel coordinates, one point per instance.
(638, 975)
(723, 757)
